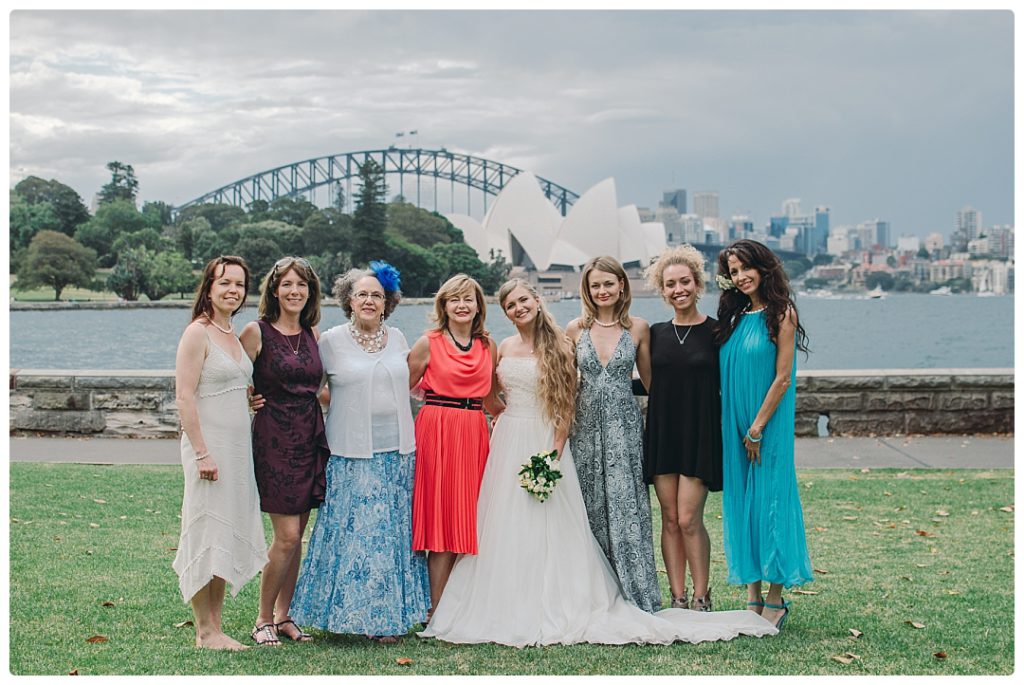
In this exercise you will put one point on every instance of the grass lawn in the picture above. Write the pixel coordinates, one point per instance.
(76, 294)
(91, 550)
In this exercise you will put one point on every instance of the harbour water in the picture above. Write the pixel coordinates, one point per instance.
(898, 331)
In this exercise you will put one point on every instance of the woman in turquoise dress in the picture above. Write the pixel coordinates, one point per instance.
(761, 513)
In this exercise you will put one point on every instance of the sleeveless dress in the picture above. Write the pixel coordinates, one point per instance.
(607, 445)
(289, 442)
(684, 411)
(221, 526)
(763, 524)
(451, 449)
(540, 577)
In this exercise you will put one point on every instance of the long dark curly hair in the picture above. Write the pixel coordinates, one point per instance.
(773, 290)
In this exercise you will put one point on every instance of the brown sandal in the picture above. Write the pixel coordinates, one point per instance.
(264, 635)
(301, 636)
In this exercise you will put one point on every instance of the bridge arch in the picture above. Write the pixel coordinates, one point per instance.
(302, 178)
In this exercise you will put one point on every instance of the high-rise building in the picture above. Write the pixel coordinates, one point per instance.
(1000, 241)
(934, 242)
(791, 207)
(968, 221)
(705, 204)
(740, 227)
(874, 232)
(908, 243)
(675, 198)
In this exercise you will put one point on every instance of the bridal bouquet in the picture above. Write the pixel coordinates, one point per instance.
(539, 474)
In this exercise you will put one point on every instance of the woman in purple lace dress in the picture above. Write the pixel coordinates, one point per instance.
(290, 449)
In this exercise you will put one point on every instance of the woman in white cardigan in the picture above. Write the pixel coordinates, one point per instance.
(360, 575)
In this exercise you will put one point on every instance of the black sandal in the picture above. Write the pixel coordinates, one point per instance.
(263, 635)
(303, 636)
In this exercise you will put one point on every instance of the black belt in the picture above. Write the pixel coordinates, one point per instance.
(435, 400)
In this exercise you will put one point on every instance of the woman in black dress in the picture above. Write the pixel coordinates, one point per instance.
(289, 441)
(683, 437)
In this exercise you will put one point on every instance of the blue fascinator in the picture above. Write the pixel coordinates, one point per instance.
(389, 277)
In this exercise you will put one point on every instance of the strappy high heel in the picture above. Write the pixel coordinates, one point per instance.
(759, 604)
(785, 614)
(701, 603)
(681, 602)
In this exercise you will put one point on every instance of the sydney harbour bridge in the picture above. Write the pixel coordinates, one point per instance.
(414, 169)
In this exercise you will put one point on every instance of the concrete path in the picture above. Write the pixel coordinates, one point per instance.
(931, 452)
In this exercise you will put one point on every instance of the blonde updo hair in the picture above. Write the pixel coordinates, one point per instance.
(556, 377)
(687, 255)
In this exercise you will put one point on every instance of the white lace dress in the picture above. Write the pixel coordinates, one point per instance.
(221, 526)
(540, 577)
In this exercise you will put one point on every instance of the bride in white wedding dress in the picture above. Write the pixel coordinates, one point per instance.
(539, 577)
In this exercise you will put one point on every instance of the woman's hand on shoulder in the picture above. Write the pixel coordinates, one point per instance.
(252, 340)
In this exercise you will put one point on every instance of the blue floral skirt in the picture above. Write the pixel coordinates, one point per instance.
(360, 575)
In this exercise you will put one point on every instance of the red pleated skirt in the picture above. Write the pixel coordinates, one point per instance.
(451, 451)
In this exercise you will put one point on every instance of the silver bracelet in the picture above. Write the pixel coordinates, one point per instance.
(200, 457)
(751, 438)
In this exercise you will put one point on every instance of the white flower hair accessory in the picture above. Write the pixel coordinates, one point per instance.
(724, 282)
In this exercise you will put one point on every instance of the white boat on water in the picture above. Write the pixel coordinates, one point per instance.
(876, 294)
(944, 290)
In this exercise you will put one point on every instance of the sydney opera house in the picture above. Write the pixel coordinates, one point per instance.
(533, 235)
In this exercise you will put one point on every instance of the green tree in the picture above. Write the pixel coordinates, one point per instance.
(123, 185)
(259, 210)
(128, 276)
(461, 258)
(498, 270)
(27, 219)
(891, 262)
(166, 273)
(260, 253)
(422, 270)
(112, 220)
(219, 214)
(329, 266)
(67, 205)
(881, 279)
(923, 254)
(287, 237)
(815, 283)
(291, 210)
(370, 219)
(208, 244)
(795, 268)
(822, 258)
(326, 231)
(157, 214)
(419, 226)
(54, 260)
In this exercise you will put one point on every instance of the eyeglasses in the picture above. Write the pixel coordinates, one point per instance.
(363, 296)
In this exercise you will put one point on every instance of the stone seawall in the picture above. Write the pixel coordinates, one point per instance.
(140, 404)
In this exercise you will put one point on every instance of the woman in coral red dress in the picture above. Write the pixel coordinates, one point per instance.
(454, 365)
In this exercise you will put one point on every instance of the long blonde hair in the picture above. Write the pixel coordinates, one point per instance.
(556, 377)
(612, 266)
(460, 284)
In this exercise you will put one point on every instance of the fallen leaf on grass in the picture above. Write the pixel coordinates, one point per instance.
(952, 592)
(96, 638)
(819, 529)
(921, 565)
(944, 573)
(845, 657)
(821, 571)
(403, 661)
(940, 512)
(915, 624)
(907, 578)
(107, 604)
(183, 624)
(74, 671)
(940, 655)
(865, 470)
(805, 592)
(924, 533)
(855, 632)
(94, 525)
(887, 493)
(849, 518)
(100, 501)
(1008, 508)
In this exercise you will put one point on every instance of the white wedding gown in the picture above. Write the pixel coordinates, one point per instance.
(540, 577)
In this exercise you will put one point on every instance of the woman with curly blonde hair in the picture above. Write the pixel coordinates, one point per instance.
(540, 577)
(683, 438)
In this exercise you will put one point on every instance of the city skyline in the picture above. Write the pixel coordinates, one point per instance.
(902, 116)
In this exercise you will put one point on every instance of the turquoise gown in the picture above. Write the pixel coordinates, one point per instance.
(761, 514)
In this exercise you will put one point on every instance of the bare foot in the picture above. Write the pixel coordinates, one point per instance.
(219, 641)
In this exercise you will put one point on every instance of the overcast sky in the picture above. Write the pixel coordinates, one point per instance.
(903, 116)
